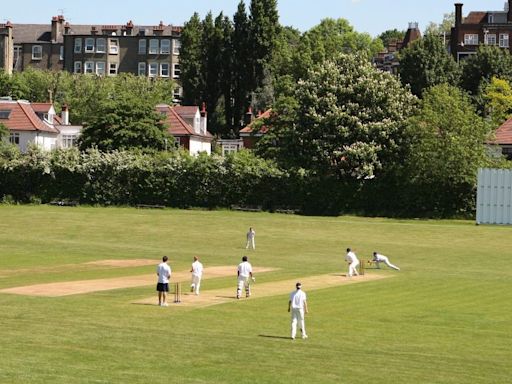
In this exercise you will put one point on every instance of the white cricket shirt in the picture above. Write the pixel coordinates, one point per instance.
(351, 257)
(298, 298)
(244, 269)
(197, 268)
(163, 271)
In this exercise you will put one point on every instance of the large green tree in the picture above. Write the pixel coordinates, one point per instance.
(427, 63)
(497, 97)
(346, 120)
(447, 147)
(391, 35)
(191, 57)
(126, 123)
(489, 61)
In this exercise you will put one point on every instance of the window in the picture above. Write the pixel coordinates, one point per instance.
(177, 47)
(112, 69)
(100, 68)
(16, 57)
(470, 39)
(164, 69)
(77, 67)
(61, 53)
(5, 114)
(89, 44)
(69, 141)
(153, 46)
(78, 45)
(14, 138)
(490, 19)
(176, 94)
(37, 52)
(48, 118)
(101, 45)
(165, 47)
(490, 39)
(142, 47)
(89, 67)
(142, 69)
(153, 69)
(113, 47)
(504, 40)
(176, 71)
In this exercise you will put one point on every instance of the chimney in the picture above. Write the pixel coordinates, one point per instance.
(66, 28)
(128, 28)
(7, 53)
(55, 28)
(458, 14)
(65, 115)
(248, 116)
(204, 119)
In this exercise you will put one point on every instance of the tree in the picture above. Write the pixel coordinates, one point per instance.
(347, 121)
(497, 97)
(125, 124)
(447, 147)
(190, 61)
(442, 29)
(391, 35)
(488, 61)
(427, 63)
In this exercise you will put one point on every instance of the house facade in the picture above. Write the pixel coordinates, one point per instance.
(104, 50)
(480, 27)
(504, 138)
(37, 124)
(188, 126)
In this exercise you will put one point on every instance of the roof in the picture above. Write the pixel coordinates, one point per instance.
(23, 117)
(186, 110)
(263, 129)
(41, 107)
(475, 18)
(504, 133)
(177, 125)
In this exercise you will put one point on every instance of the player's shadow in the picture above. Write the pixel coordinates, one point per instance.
(275, 337)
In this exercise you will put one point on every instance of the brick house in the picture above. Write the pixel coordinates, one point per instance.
(37, 123)
(480, 27)
(504, 138)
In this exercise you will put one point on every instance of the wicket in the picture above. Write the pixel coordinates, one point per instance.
(362, 265)
(177, 292)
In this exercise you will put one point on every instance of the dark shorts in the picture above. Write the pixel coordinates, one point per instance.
(162, 287)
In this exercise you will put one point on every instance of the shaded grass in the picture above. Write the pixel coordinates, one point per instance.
(445, 318)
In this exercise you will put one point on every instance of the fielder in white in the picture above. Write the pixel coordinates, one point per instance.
(197, 273)
(298, 306)
(244, 278)
(353, 262)
(378, 258)
(250, 239)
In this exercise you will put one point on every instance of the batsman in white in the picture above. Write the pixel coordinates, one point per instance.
(197, 273)
(298, 306)
(378, 258)
(244, 278)
(250, 239)
(353, 262)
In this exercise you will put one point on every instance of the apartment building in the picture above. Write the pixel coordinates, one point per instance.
(105, 50)
(480, 27)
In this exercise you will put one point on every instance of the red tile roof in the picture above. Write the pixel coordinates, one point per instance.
(23, 117)
(263, 129)
(177, 125)
(41, 107)
(186, 110)
(504, 133)
(475, 18)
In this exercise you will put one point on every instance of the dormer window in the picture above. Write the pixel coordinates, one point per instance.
(48, 117)
(490, 18)
(5, 114)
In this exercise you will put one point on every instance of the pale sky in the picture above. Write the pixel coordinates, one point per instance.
(372, 16)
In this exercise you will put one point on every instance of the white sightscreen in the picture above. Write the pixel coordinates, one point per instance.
(494, 196)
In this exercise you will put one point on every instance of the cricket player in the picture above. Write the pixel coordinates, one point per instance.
(163, 271)
(298, 306)
(244, 278)
(250, 239)
(197, 273)
(353, 262)
(378, 258)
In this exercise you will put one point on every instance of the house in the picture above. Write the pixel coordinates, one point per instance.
(254, 129)
(188, 126)
(504, 138)
(37, 123)
(104, 50)
(480, 27)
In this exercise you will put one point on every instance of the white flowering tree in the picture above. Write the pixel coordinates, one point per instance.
(346, 120)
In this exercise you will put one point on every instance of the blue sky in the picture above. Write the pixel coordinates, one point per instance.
(373, 16)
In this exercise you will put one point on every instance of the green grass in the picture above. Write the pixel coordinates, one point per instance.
(445, 318)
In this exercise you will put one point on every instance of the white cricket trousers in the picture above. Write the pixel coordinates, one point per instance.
(250, 243)
(196, 284)
(298, 317)
(385, 260)
(352, 268)
(243, 282)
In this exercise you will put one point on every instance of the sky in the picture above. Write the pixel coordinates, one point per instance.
(372, 16)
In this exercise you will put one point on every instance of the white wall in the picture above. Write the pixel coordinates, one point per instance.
(197, 146)
(494, 196)
(45, 140)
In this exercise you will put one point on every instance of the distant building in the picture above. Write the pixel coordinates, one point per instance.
(480, 27)
(38, 124)
(105, 50)
(504, 138)
(387, 60)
